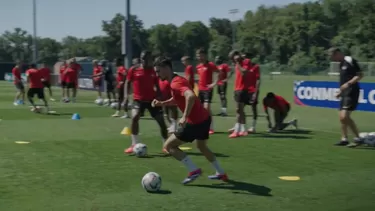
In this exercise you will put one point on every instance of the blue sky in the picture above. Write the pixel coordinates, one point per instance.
(82, 18)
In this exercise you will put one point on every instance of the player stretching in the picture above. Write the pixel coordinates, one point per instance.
(97, 79)
(253, 90)
(194, 123)
(189, 70)
(120, 80)
(169, 110)
(34, 78)
(46, 73)
(350, 75)
(242, 68)
(144, 81)
(63, 67)
(17, 80)
(281, 109)
(223, 69)
(205, 70)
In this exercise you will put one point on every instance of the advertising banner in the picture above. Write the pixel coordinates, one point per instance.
(322, 94)
(9, 77)
(86, 83)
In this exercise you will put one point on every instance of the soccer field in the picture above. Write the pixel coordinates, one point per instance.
(80, 165)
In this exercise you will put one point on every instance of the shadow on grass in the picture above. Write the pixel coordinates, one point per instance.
(200, 154)
(365, 147)
(161, 192)
(281, 136)
(240, 188)
(299, 131)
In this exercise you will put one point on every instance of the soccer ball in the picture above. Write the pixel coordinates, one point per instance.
(151, 182)
(370, 139)
(106, 102)
(140, 150)
(99, 102)
(114, 105)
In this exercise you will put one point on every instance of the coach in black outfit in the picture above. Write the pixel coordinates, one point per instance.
(350, 75)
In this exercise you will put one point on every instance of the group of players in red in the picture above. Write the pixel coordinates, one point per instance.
(69, 74)
(155, 86)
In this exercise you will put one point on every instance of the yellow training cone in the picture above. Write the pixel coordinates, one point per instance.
(126, 131)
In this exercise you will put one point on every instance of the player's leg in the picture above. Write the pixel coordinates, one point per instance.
(22, 93)
(207, 105)
(182, 136)
(167, 114)
(63, 90)
(173, 111)
(30, 95)
(98, 88)
(222, 91)
(138, 107)
(351, 105)
(240, 126)
(254, 108)
(68, 88)
(157, 114)
(109, 92)
(41, 96)
(20, 89)
(120, 99)
(48, 86)
(74, 90)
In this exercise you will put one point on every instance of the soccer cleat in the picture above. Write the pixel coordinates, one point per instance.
(234, 135)
(16, 103)
(129, 150)
(342, 143)
(192, 176)
(231, 130)
(251, 130)
(125, 116)
(116, 114)
(295, 123)
(211, 132)
(356, 143)
(51, 99)
(222, 177)
(245, 133)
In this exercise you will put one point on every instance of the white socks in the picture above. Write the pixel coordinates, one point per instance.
(224, 110)
(237, 127)
(242, 127)
(189, 164)
(217, 167)
(254, 123)
(135, 139)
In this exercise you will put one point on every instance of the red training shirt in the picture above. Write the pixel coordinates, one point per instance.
(62, 73)
(279, 104)
(120, 76)
(241, 82)
(144, 82)
(70, 75)
(189, 72)
(16, 72)
(253, 76)
(165, 89)
(198, 113)
(96, 70)
(205, 71)
(223, 73)
(35, 78)
(46, 73)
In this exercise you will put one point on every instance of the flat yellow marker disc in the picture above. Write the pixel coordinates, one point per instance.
(22, 142)
(290, 178)
(185, 148)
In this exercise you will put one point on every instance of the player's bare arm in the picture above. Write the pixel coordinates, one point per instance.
(126, 91)
(190, 99)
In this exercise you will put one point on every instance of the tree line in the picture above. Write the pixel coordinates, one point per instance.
(291, 38)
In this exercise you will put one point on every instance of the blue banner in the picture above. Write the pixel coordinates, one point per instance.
(86, 83)
(322, 94)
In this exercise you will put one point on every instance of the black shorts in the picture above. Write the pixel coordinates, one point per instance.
(241, 96)
(205, 96)
(97, 83)
(71, 85)
(20, 86)
(120, 92)
(142, 106)
(280, 116)
(35, 91)
(222, 89)
(110, 86)
(349, 101)
(191, 132)
(250, 98)
(63, 84)
(46, 84)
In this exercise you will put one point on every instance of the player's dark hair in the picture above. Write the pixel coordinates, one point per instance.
(118, 62)
(270, 95)
(145, 54)
(219, 59)
(233, 53)
(32, 65)
(163, 61)
(201, 51)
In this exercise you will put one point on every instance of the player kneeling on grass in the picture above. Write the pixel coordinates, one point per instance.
(36, 86)
(194, 123)
(281, 109)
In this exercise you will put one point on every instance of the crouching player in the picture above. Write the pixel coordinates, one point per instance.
(281, 109)
(194, 123)
(169, 110)
(36, 87)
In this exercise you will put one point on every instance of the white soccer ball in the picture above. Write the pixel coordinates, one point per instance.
(99, 102)
(106, 102)
(140, 150)
(370, 140)
(151, 182)
(114, 105)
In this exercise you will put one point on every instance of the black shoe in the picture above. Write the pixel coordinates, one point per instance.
(342, 143)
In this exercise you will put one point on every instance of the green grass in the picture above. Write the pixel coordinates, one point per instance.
(79, 165)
